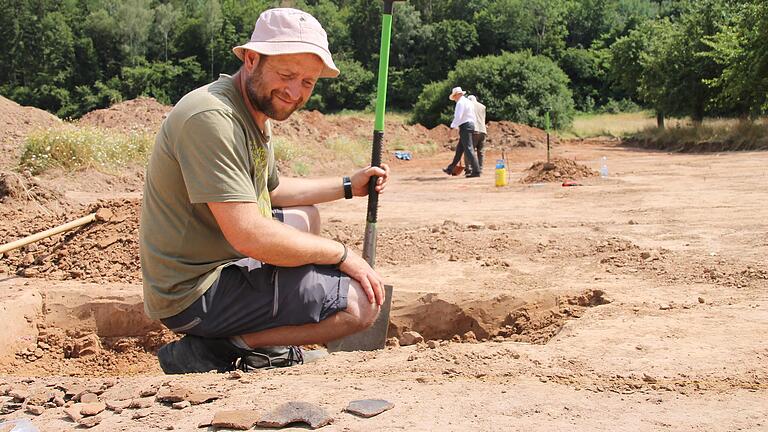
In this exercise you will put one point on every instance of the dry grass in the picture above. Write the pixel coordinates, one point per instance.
(715, 135)
(630, 124)
(74, 148)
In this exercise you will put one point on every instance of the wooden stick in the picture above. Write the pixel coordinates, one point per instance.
(47, 233)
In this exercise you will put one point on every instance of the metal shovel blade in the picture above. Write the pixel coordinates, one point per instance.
(374, 337)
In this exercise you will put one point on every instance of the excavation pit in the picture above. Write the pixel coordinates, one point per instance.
(90, 330)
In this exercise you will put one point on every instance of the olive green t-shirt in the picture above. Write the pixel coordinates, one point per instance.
(208, 149)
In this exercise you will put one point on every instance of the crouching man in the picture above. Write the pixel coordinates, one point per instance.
(230, 252)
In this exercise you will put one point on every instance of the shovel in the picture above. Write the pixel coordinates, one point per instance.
(375, 337)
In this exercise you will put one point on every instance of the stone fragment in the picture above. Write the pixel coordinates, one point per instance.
(432, 344)
(138, 414)
(19, 394)
(85, 346)
(117, 405)
(35, 409)
(73, 412)
(665, 306)
(104, 215)
(701, 300)
(10, 407)
(235, 374)
(368, 407)
(58, 400)
(141, 403)
(470, 337)
(235, 419)
(180, 405)
(40, 397)
(88, 398)
(92, 408)
(393, 342)
(70, 392)
(91, 421)
(200, 398)
(291, 412)
(648, 378)
(410, 338)
(172, 394)
(151, 391)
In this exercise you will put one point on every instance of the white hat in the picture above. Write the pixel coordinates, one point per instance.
(289, 31)
(455, 91)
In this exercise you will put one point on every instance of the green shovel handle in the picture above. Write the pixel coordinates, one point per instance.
(369, 241)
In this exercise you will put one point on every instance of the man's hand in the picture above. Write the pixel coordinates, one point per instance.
(361, 177)
(358, 269)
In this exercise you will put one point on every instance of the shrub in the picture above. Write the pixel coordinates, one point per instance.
(520, 87)
(353, 89)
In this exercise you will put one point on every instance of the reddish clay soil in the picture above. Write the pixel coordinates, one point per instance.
(16, 122)
(626, 304)
(137, 115)
(557, 170)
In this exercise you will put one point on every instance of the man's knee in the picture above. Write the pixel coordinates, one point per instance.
(303, 218)
(360, 308)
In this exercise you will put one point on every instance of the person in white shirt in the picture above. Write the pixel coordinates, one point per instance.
(464, 119)
(480, 133)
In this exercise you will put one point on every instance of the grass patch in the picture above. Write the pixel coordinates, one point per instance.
(422, 149)
(713, 136)
(300, 168)
(356, 151)
(286, 150)
(614, 125)
(74, 148)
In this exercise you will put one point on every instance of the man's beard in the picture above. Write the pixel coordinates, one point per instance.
(263, 102)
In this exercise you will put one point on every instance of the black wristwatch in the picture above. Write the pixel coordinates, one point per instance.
(347, 187)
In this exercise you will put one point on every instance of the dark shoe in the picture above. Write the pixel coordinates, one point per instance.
(448, 171)
(279, 356)
(472, 175)
(194, 354)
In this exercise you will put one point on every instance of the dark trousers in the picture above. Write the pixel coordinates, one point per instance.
(479, 140)
(466, 148)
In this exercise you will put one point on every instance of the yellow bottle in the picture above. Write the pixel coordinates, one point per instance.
(501, 173)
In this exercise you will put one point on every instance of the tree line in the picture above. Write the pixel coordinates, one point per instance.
(523, 58)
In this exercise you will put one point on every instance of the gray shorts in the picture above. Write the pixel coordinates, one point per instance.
(250, 296)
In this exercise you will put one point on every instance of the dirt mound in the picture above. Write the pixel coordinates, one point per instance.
(16, 122)
(556, 171)
(103, 251)
(136, 115)
(15, 187)
(506, 134)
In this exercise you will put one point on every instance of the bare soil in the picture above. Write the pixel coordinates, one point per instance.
(16, 122)
(636, 302)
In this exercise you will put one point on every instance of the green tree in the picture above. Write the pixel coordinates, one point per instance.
(212, 19)
(166, 16)
(520, 87)
(741, 48)
(134, 18)
(353, 89)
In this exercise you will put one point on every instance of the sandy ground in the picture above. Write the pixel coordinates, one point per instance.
(673, 245)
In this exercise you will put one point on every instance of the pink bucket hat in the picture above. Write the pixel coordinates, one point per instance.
(290, 31)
